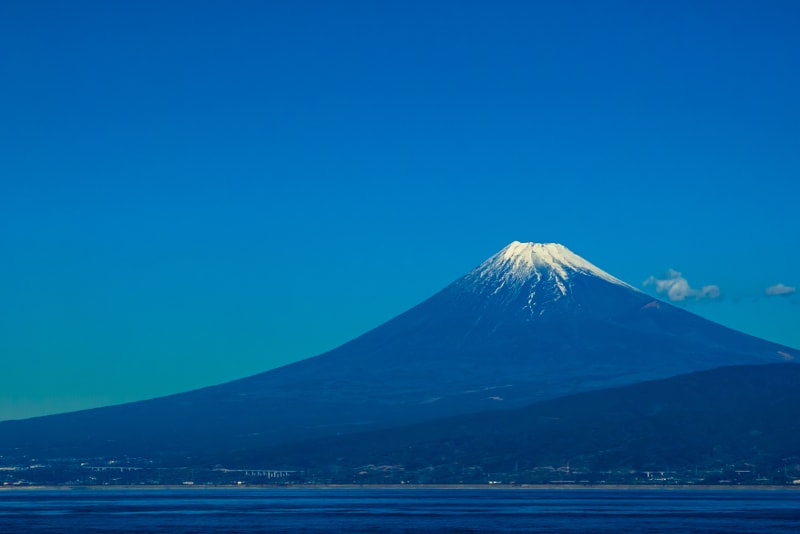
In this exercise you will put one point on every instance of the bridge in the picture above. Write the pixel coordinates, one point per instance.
(267, 473)
(117, 468)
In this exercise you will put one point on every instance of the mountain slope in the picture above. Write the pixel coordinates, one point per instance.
(709, 418)
(533, 322)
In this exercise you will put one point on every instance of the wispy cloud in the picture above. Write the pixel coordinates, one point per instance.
(780, 289)
(677, 288)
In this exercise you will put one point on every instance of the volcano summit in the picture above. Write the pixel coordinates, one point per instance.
(532, 322)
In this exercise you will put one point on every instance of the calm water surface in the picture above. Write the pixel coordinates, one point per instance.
(398, 510)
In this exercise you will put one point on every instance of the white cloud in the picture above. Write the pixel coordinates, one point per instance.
(711, 292)
(678, 289)
(780, 289)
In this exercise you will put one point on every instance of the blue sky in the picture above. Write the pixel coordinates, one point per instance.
(200, 191)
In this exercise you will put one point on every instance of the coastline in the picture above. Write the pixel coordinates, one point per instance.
(413, 487)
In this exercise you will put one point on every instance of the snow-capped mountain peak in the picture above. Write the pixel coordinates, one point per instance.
(523, 258)
(520, 265)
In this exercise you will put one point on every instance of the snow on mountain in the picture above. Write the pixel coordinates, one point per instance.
(526, 261)
(541, 272)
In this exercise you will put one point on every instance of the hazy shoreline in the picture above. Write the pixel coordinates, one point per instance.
(412, 487)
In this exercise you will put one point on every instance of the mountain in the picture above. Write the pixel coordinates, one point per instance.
(706, 420)
(533, 322)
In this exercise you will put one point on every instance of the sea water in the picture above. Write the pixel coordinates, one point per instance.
(398, 510)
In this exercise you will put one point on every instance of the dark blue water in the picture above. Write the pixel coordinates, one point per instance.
(400, 510)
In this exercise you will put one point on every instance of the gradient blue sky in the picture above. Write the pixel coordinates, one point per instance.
(194, 192)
